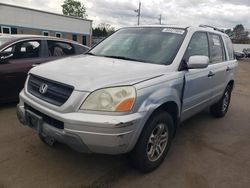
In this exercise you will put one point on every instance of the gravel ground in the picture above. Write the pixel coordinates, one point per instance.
(206, 152)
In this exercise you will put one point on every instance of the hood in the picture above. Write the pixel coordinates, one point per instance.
(88, 73)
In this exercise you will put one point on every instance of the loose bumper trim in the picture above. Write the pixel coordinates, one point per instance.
(72, 140)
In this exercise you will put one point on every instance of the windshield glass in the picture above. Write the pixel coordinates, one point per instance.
(150, 45)
(4, 40)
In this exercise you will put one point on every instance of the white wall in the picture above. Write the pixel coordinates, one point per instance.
(15, 16)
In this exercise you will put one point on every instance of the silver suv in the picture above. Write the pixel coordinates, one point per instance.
(131, 91)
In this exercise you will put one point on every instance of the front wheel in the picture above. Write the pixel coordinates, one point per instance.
(154, 142)
(220, 108)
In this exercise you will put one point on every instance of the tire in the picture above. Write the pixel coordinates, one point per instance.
(220, 108)
(144, 155)
(47, 140)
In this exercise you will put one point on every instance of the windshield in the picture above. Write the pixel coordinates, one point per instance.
(4, 40)
(150, 45)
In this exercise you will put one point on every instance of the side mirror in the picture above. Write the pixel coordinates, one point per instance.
(5, 57)
(197, 62)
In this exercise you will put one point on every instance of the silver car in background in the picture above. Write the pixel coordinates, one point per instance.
(131, 91)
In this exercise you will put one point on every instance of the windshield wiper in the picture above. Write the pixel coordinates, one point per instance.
(121, 57)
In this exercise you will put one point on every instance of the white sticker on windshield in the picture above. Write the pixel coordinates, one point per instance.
(172, 30)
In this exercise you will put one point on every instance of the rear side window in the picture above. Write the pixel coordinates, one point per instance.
(198, 45)
(217, 52)
(229, 48)
(58, 48)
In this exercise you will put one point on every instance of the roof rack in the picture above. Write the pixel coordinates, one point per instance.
(214, 28)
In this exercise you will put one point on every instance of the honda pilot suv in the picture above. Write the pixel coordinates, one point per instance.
(129, 93)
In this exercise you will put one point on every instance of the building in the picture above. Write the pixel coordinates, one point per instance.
(22, 20)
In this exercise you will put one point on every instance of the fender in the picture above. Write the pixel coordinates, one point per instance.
(154, 101)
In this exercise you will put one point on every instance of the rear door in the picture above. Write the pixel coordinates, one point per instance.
(197, 90)
(219, 66)
(59, 49)
(21, 57)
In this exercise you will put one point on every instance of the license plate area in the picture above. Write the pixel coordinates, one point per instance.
(34, 121)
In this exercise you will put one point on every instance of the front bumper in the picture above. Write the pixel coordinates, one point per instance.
(91, 133)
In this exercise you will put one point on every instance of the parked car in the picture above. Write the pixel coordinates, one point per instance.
(19, 53)
(246, 51)
(239, 55)
(130, 92)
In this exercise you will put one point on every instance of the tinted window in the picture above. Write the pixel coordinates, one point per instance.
(152, 45)
(198, 45)
(58, 35)
(74, 37)
(27, 49)
(229, 47)
(13, 30)
(84, 40)
(217, 53)
(45, 33)
(58, 48)
(6, 30)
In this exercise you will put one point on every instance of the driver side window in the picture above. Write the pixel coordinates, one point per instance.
(198, 45)
(21, 50)
(8, 51)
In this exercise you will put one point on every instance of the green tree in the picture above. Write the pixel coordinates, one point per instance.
(239, 34)
(74, 8)
(103, 30)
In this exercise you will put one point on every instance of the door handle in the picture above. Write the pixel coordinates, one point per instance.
(210, 74)
(228, 69)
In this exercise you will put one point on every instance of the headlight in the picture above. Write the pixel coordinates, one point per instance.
(117, 99)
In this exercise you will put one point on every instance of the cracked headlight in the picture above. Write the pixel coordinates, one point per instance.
(116, 99)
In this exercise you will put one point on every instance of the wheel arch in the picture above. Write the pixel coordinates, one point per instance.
(172, 108)
(231, 84)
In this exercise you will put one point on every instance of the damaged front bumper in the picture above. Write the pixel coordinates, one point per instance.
(91, 133)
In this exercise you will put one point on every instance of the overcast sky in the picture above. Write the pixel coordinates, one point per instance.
(118, 13)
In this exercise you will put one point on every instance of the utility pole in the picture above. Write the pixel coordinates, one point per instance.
(139, 13)
(160, 19)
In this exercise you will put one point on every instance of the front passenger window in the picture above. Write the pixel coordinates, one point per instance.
(22, 50)
(198, 45)
(29, 49)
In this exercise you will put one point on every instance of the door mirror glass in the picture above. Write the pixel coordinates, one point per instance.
(5, 57)
(198, 62)
(6, 54)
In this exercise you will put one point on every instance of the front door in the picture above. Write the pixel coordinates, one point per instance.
(197, 90)
(16, 61)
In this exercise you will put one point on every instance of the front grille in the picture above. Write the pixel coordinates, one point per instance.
(56, 93)
(47, 119)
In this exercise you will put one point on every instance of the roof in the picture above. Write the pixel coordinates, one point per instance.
(24, 36)
(15, 6)
(191, 27)
(170, 25)
(21, 36)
